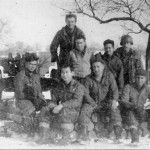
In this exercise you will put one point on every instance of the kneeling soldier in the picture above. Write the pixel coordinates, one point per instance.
(103, 92)
(28, 92)
(133, 98)
(64, 109)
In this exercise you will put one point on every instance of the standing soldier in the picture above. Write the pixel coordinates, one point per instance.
(133, 98)
(131, 63)
(100, 84)
(65, 38)
(28, 92)
(113, 63)
(130, 60)
(80, 58)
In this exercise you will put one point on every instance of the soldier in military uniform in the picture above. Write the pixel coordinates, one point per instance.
(65, 38)
(103, 92)
(80, 59)
(130, 60)
(113, 63)
(63, 111)
(133, 98)
(129, 57)
(28, 92)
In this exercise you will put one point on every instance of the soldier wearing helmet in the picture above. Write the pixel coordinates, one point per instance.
(131, 63)
(129, 57)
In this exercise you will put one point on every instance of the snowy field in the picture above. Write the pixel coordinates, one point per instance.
(21, 142)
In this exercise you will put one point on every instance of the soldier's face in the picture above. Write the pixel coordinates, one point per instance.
(109, 49)
(71, 22)
(80, 44)
(66, 74)
(126, 45)
(98, 68)
(31, 66)
(140, 80)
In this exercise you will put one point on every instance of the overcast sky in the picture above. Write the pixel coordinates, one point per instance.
(37, 21)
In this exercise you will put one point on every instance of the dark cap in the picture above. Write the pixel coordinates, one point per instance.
(141, 72)
(31, 57)
(97, 58)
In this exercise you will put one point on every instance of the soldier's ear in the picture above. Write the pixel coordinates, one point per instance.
(73, 73)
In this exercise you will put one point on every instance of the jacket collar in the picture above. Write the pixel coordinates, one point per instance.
(83, 52)
(66, 28)
(106, 56)
(28, 73)
(124, 52)
(136, 87)
(67, 85)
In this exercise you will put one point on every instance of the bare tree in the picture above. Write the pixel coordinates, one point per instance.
(136, 12)
(5, 32)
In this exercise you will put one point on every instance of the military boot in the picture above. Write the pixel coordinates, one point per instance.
(44, 133)
(134, 135)
(117, 131)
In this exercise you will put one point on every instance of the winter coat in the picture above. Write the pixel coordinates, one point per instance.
(115, 66)
(66, 43)
(133, 97)
(70, 96)
(132, 104)
(102, 92)
(131, 63)
(81, 62)
(28, 87)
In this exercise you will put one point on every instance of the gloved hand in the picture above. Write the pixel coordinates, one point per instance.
(51, 105)
(127, 105)
(54, 58)
(57, 109)
(97, 108)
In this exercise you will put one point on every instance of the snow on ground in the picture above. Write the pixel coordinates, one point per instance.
(21, 142)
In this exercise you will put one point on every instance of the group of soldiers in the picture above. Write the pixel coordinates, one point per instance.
(94, 92)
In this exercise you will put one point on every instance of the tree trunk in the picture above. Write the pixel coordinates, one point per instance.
(148, 57)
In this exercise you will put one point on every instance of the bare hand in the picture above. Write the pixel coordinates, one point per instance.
(57, 109)
(114, 105)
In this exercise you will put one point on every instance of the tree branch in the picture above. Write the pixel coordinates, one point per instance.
(147, 25)
(131, 30)
(91, 7)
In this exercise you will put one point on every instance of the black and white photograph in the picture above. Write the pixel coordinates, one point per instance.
(74, 74)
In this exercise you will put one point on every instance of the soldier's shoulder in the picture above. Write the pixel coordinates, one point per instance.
(135, 53)
(76, 83)
(21, 73)
(88, 79)
(118, 51)
(130, 86)
(117, 59)
(109, 74)
(72, 51)
(61, 31)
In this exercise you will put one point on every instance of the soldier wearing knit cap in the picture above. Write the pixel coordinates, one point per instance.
(103, 91)
(133, 99)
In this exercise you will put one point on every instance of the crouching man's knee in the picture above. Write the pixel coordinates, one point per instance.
(67, 126)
